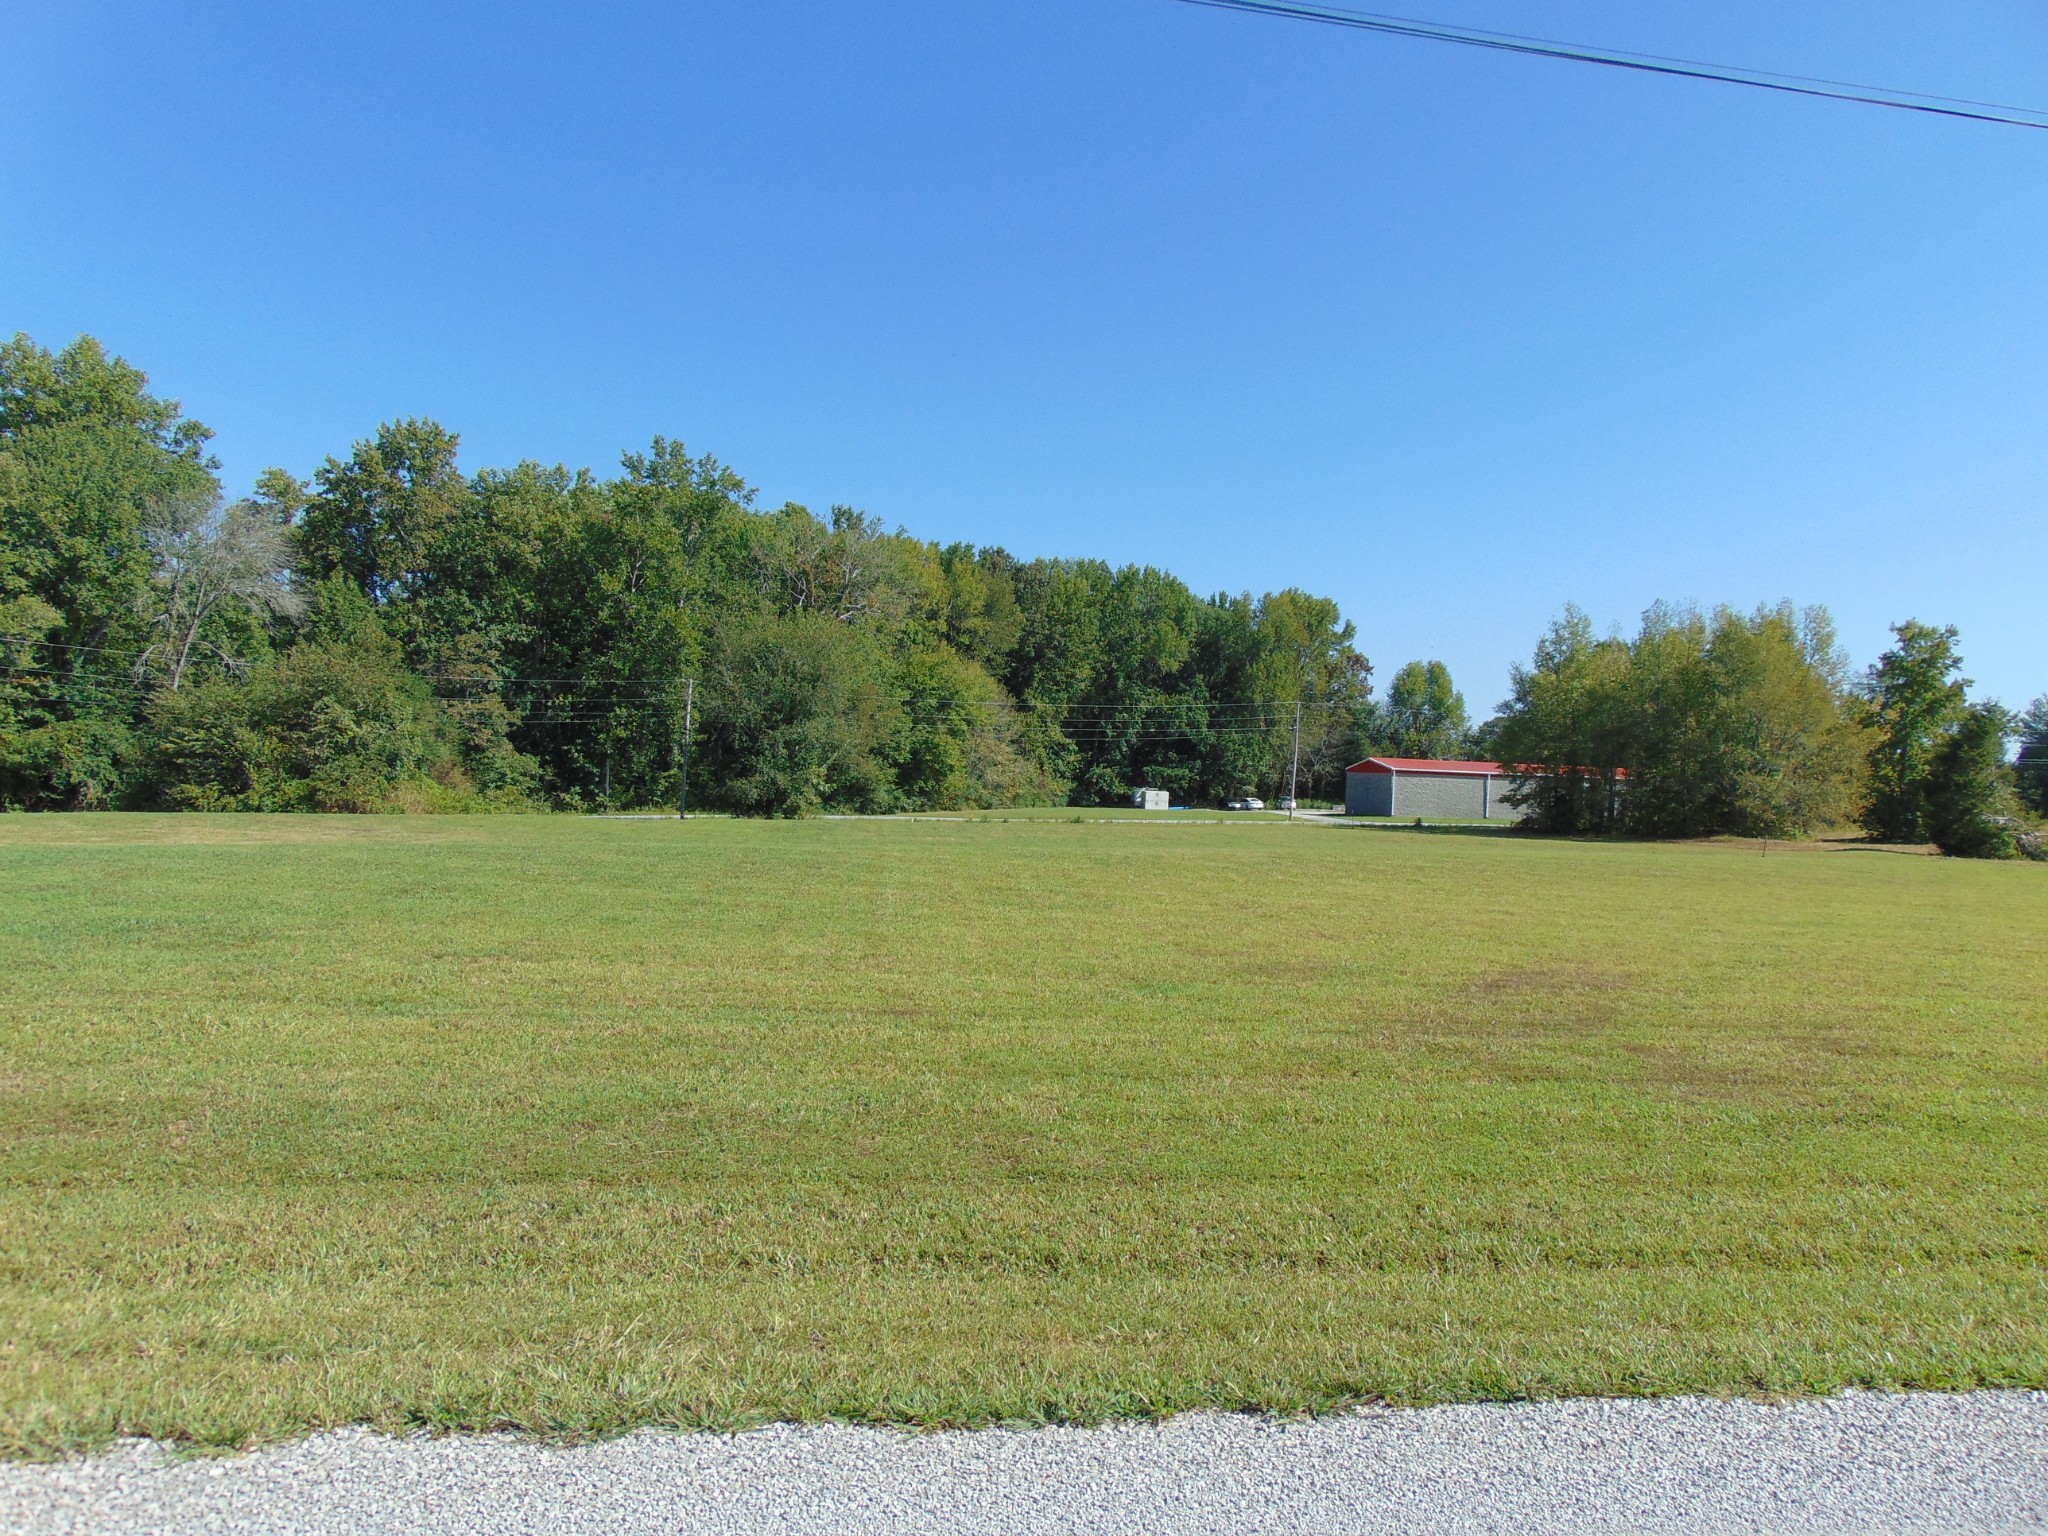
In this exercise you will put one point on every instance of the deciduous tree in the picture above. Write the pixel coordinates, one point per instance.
(2032, 767)
(209, 560)
(1916, 695)
(1968, 803)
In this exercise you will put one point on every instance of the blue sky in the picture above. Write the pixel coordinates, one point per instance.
(1451, 337)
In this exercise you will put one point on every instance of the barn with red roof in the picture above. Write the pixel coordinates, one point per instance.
(1435, 788)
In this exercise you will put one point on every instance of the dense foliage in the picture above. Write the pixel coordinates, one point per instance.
(1751, 724)
(1424, 714)
(1917, 699)
(1729, 723)
(2032, 766)
(1969, 804)
(398, 633)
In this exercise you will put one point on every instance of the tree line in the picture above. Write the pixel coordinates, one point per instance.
(1754, 725)
(393, 632)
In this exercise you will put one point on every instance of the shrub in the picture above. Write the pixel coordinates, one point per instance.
(338, 723)
(795, 718)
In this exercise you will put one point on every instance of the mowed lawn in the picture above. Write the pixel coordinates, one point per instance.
(574, 1124)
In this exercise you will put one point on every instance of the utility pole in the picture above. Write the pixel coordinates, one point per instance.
(689, 712)
(1294, 770)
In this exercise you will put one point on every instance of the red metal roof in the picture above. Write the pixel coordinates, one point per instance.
(1423, 765)
(1464, 766)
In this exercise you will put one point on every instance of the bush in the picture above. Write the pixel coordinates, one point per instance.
(75, 765)
(338, 723)
(960, 743)
(795, 718)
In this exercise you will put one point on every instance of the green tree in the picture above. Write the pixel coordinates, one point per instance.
(1969, 806)
(488, 586)
(795, 718)
(40, 389)
(627, 578)
(1916, 696)
(2032, 767)
(85, 450)
(1793, 754)
(1737, 723)
(1740, 725)
(1565, 733)
(960, 743)
(374, 517)
(1425, 715)
(982, 619)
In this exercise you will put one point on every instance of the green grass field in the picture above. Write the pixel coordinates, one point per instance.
(572, 1125)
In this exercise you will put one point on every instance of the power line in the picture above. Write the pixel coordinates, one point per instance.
(576, 704)
(1642, 63)
(598, 691)
(554, 702)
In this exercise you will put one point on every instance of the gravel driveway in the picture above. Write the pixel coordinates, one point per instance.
(1860, 1462)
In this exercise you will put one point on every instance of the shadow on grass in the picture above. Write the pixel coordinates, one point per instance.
(1623, 840)
(1458, 829)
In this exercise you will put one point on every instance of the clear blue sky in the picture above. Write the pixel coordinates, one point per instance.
(1451, 337)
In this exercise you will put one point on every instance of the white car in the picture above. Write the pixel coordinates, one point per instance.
(1246, 803)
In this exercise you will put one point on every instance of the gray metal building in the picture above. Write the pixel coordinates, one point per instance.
(1436, 789)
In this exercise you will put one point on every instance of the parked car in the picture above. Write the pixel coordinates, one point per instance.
(1245, 803)
(1284, 803)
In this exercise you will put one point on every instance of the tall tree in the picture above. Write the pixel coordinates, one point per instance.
(210, 560)
(375, 515)
(1565, 733)
(1916, 695)
(85, 450)
(1796, 752)
(1425, 715)
(1969, 802)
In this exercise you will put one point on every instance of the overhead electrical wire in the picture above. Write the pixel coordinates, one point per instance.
(587, 693)
(1641, 63)
(1130, 724)
(553, 702)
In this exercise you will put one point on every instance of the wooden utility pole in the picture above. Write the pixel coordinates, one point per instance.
(1294, 770)
(689, 713)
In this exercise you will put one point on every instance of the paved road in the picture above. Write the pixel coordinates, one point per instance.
(1862, 1463)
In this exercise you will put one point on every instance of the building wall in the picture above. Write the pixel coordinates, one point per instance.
(1368, 794)
(1439, 796)
(1433, 796)
(1497, 808)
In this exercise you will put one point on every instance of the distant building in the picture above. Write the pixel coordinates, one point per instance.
(1149, 799)
(1437, 788)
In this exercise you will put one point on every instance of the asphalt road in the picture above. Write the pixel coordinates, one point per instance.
(1861, 1462)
